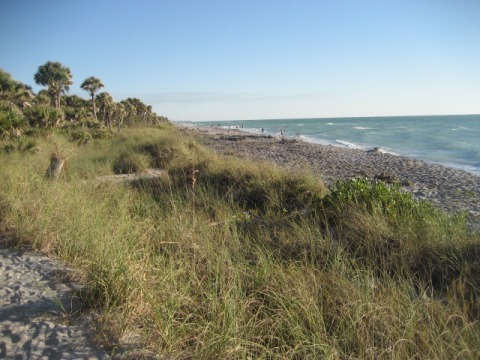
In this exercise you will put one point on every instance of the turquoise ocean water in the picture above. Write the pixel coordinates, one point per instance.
(449, 140)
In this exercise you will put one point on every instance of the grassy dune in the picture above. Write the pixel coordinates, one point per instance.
(219, 258)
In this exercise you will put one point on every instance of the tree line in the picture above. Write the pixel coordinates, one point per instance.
(22, 110)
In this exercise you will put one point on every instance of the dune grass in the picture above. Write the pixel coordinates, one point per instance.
(223, 259)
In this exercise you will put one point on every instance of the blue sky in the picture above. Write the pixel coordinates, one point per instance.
(260, 59)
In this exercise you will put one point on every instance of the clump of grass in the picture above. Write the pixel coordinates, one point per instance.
(19, 143)
(256, 187)
(248, 261)
(128, 163)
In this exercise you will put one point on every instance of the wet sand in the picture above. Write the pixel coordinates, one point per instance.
(447, 188)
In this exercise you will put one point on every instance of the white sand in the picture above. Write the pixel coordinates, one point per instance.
(40, 315)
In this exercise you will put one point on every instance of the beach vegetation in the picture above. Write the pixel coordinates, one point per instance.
(43, 116)
(56, 77)
(12, 120)
(14, 91)
(92, 85)
(24, 112)
(217, 257)
(130, 163)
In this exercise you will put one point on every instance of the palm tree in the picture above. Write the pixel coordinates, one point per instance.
(120, 114)
(92, 85)
(106, 106)
(130, 111)
(57, 77)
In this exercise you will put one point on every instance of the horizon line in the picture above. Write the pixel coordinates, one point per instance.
(329, 117)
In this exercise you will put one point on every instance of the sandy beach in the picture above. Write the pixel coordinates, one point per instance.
(450, 189)
(42, 315)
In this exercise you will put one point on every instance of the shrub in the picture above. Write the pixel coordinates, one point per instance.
(100, 132)
(11, 118)
(80, 135)
(374, 195)
(44, 116)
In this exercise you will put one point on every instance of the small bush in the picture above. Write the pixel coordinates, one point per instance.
(101, 132)
(81, 136)
(11, 118)
(44, 116)
(374, 195)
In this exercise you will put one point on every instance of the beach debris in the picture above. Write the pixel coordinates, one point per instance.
(375, 150)
(192, 177)
(386, 177)
(147, 174)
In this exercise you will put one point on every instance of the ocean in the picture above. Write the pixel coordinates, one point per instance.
(453, 141)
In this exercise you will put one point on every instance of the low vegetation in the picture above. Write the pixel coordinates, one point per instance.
(220, 258)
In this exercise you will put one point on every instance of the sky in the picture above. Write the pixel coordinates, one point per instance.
(257, 59)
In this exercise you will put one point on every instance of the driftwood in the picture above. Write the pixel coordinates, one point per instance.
(57, 163)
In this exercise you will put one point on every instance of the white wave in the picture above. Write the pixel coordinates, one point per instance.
(387, 151)
(350, 145)
(313, 140)
(330, 123)
(362, 128)
(251, 130)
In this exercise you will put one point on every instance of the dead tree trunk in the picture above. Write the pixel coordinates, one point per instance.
(56, 165)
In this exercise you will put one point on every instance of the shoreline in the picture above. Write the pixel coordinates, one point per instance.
(449, 158)
(447, 188)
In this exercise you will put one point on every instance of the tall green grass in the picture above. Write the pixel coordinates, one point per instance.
(219, 258)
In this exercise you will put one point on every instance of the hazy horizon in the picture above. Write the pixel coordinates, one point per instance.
(331, 117)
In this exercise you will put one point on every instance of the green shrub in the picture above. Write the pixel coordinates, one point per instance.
(11, 118)
(80, 135)
(100, 132)
(374, 195)
(44, 116)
